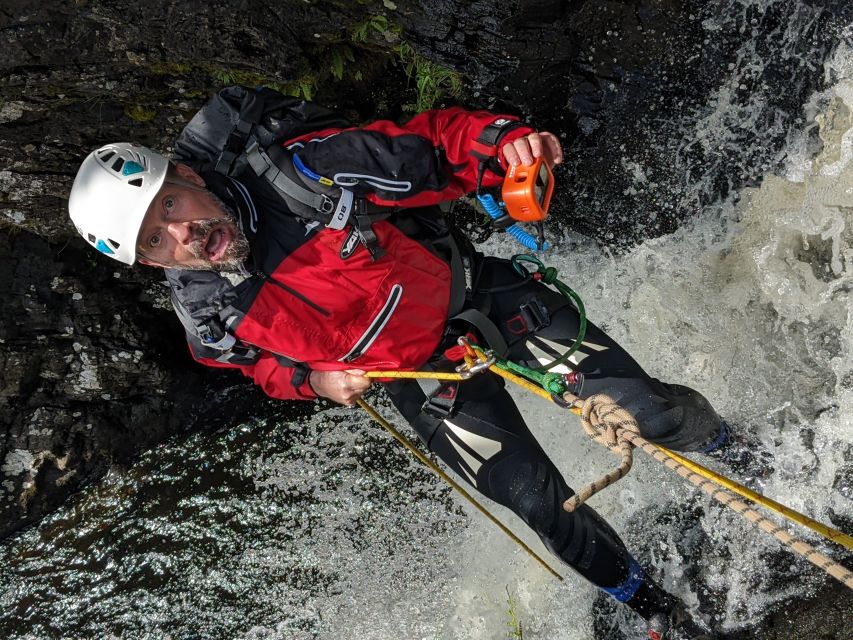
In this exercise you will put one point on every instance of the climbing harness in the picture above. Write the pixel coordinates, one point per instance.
(612, 426)
(548, 275)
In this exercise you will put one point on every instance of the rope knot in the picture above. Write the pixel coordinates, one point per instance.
(607, 423)
(604, 421)
(548, 274)
(554, 383)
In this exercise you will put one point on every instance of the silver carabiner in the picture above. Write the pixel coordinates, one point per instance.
(478, 367)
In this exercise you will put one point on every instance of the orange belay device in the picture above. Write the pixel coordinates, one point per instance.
(527, 191)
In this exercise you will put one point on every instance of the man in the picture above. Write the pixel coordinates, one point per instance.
(307, 308)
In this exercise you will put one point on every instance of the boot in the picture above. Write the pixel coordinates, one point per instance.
(665, 614)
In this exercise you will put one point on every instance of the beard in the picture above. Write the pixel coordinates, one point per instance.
(236, 252)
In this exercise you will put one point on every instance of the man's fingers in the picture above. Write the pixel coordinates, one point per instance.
(524, 148)
(534, 145)
(553, 148)
(355, 385)
(344, 387)
(510, 155)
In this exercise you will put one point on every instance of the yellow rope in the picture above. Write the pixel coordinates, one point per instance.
(826, 531)
(836, 570)
(429, 375)
(429, 463)
(696, 474)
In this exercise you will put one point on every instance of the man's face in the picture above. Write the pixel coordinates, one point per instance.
(188, 227)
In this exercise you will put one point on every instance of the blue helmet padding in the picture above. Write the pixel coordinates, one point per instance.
(101, 246)
(131, 167)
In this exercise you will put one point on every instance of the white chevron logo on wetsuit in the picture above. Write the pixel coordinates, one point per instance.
(483, 447)
(547, 350)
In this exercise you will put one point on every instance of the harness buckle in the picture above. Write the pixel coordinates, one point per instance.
(257, 159)
(441, 403)
(532, 316)
(225, 162)
(327, 205)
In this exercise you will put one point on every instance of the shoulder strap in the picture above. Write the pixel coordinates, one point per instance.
(207, 324)
(335, 207)
(240, 129)
(273, 164)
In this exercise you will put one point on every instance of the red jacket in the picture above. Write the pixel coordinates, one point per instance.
(314, 296)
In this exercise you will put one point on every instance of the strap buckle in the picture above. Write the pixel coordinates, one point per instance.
(258, 161)
(535, 315)
(441, 402)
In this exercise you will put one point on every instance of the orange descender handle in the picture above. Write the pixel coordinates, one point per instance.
(527, 191)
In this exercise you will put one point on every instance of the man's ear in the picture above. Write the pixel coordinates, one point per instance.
(189, 175)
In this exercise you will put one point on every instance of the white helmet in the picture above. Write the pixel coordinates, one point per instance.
(111, 193)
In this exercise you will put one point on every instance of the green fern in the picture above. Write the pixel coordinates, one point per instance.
(376, 24)
(432, 81)
(340, 56)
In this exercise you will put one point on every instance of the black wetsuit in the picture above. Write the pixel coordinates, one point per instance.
(477, 430)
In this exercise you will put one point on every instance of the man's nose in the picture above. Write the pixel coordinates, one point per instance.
(182, 232)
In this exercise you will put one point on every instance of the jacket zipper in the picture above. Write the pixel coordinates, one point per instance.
(376, 327)
(294, 293)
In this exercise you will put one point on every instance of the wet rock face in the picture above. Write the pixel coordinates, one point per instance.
(628, 84)
(94, 371)
(84, 382)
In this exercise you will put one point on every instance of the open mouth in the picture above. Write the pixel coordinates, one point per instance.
(217, 243)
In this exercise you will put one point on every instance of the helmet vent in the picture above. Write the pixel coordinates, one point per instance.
(92, 238)
(139, 158)
(117, 165)
(136, 183)
(109, 153)
(113, 243)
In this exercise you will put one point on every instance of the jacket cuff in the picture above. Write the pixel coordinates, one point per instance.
(301, 384)
(486, 148)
